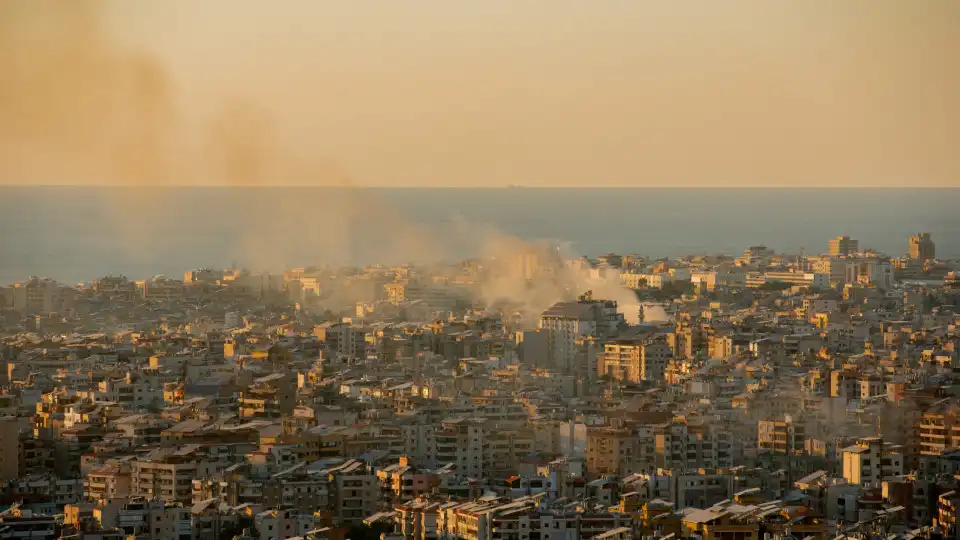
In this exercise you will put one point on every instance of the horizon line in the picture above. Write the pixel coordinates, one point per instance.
(476, 187)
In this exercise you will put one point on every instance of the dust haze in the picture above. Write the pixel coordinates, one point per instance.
(80, 107)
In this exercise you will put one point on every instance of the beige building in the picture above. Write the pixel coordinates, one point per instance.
(160, 288)
(635, 359)
(107, 483)
(609, 449)
(38, 295)
(922, 247)
(167, 474)
(870, 461)
(938, 431)
(781, 437)
(151, 520)
(843, 246)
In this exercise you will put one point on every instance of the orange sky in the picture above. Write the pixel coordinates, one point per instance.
(493, 92)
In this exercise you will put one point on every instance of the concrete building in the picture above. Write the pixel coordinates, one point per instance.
(39, 295)
(635, 359)
(278, 524)
(781, 437)
(718, 278)
(870, 461)
(167, 474)
(160, 288)
(565, 322)
(843, 246)
(948, 514)
(876, 272)
(922, 247)
(354, 492)
(111, 482)
(938, 430)
(271, 396)
(813, 280)
(343, 339)
(460, 441)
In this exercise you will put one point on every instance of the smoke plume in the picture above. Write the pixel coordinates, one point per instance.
(77, 106)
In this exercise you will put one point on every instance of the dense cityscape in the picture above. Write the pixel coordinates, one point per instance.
(529, 396)
(481, 270)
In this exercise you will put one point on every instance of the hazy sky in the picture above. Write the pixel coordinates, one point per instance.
(491, 92)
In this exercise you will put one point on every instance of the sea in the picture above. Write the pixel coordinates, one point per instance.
(76, 234)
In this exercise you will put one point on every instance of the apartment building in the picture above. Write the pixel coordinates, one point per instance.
(167, 474)
(566, 322)
(871, 461)
(116, 288)
(417, 519)
(271, 396)
(461, 441)
(418, 440)
(638, 281)
(838, 270)
(608, 449)
(636, 359)
(278, 524)
(354, 492)
(343, 339)
(948, 513)
(711, 280)
(492, 518)
(27, 526)
(403, 482)
(683, 446)
(938, 431)
(505, 447)
(160, 288)
(152, 519)
(132, 391)
(107, 483)
(922, 247)
(813, 280)
(39, 295)
(843, 246)
(784, 437)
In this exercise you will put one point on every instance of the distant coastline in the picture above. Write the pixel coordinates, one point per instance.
(488, 187)
(81, 233)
